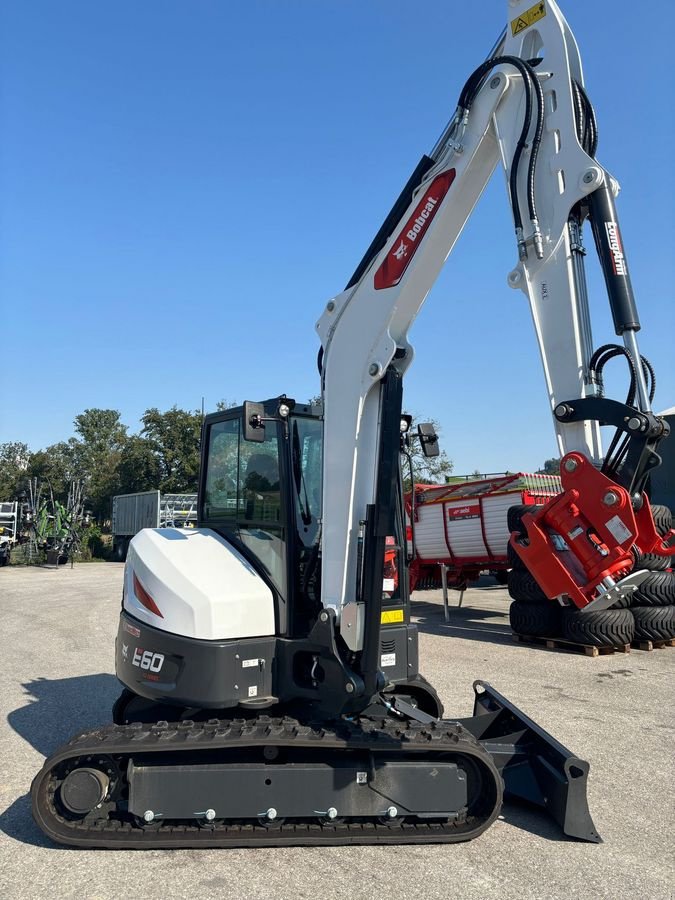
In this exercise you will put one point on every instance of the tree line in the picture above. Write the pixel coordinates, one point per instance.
(163, 455)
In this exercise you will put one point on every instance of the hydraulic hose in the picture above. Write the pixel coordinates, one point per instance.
(530, 85)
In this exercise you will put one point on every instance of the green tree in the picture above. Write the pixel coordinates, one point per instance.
(431, 470)
(97, 456)
(174, 438)
(14, 457)
(139, 467)
(56, 465)
(551, 467)
(224, 404)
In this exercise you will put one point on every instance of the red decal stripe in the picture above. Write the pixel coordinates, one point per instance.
(145, 599)
(410, 237)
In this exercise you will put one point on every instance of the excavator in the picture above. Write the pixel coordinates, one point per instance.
(271, 686)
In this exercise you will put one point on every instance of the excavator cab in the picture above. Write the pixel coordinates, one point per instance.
(261, 489)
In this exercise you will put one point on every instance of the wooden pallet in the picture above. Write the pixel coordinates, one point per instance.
(569, 646)
(652, 645)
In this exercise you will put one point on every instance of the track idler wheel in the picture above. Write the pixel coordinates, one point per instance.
(83, 790)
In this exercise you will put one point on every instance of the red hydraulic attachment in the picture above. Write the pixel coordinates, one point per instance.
(595, 518)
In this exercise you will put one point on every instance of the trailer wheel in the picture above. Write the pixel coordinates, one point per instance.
(654, 623)
(604, 628)
(658, 589)
(514, 516)
(120, 548)
(524, 588)
(538, 621)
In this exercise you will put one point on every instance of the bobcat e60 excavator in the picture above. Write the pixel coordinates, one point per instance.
(271, 695)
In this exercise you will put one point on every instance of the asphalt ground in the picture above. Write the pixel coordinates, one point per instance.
(56, 652)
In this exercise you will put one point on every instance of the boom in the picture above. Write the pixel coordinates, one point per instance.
(526, 108)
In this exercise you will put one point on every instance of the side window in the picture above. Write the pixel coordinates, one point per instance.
(220, 494)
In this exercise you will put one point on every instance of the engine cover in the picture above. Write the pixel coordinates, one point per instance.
(191, 582)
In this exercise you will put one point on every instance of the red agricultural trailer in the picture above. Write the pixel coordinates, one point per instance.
(464, 525)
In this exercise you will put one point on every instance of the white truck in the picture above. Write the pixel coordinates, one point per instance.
(149, 509)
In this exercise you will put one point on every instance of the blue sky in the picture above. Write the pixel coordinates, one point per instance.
(185, 184)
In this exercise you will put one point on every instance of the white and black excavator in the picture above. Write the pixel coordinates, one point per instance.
(272, 693)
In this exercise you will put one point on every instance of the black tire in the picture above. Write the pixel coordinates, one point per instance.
(650, 561)
(604, 628)
(537, 621)
(663, 521)
(514, 516)
(524, 588)
(120, 547)
(654, 623)
(623, 603)
(663, 518)
(513, 560)
(658, 589)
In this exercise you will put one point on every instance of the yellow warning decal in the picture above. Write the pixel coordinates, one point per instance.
(391, 615)
(529, 17)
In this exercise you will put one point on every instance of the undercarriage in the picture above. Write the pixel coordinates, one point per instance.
(263, 780)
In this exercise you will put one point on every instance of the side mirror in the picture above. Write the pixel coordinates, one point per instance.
(428, 439)
(254, 427)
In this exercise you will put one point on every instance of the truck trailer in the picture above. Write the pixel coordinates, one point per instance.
(149, 509)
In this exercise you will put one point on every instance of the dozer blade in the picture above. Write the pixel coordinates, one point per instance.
(535, 767)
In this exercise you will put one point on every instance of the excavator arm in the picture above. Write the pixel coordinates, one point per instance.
(525, 109)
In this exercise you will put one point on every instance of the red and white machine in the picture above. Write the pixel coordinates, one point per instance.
(465, 525)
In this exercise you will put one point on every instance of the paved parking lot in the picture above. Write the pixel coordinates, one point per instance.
(56, 646)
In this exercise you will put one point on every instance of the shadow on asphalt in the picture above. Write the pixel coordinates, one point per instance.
(17, 822)
(56, 710)
(59, 708)
(533, 820)
(465, 622)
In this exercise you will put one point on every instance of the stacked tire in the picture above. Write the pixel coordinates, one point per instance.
(646, 615)
(653, 603)
(531, 612)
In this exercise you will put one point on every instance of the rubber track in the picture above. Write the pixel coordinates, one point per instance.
(373, 735)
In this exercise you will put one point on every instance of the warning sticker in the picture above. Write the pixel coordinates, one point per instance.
(249, 663)
(389, 616)
(529, 17)
(619, 530)
(387, 659)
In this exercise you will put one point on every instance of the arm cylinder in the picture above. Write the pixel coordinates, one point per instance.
(609, 245)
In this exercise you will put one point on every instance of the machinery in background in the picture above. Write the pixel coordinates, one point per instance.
(149, 509)
(9, 522)
(464, 526)
(47, 531)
